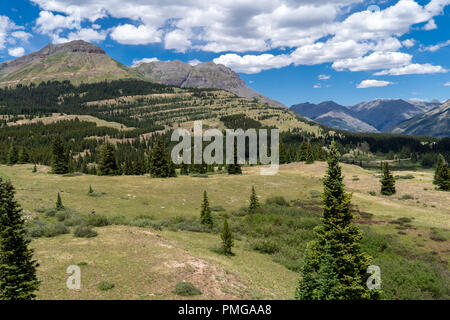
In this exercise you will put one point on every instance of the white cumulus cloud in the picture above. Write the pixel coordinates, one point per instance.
(253, 63)
(16, 52)
(236, 27)
(414, 68)
(373, 83)
(130, 34)
(374, 61)
(323, 77)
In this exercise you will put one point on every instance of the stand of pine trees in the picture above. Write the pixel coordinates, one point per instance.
(107, 164)
(235, 167)
(161, 165)
(13, 156)
(388, 181)
(18, 279)
(306, 153)
(60, 161)
(334, 266)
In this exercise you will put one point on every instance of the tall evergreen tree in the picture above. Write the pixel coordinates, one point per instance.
(60, 163)
(306, 153)
(184, 170)
(161, 165)
(24, 156)
(254, 203)
(18, 279)
(439, 166)
(334, 266)
(205, 214)
(13, 156)
(227, 238)
(107, 164)
(59, 204)
(387, 181)
(284, 157)
(443, 180)
(235, 167)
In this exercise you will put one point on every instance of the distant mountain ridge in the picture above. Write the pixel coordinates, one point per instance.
(202, 75)
(380, 115)
(435, 122)
(77, 61)
(83, 62)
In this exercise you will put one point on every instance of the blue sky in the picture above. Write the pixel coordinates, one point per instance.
(290, 50)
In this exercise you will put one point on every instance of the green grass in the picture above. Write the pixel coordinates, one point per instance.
(149, 237)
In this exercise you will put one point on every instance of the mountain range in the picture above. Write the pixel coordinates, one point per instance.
(202, 75)
(380, 115)
(435, 122)
(83, 62)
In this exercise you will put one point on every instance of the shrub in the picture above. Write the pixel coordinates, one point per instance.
(76, 220)
(118, 220)
(36, 228)
(85, 232)
(372, 193)
(105, 285)
(404, 220)
(315, 193)
(185, 289)
(279, 201)
(55, 230)
(217, 208)
(51, 212)
(407, 176)
(265, 246)
(436, 236)
(406, 197)
(97, 220)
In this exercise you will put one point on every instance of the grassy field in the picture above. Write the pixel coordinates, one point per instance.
(146, 263)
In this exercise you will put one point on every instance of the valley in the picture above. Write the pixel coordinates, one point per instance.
(145, 261)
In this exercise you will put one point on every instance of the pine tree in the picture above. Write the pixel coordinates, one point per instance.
(334, 266)
(60, 163)
(59, 204)
(184, 169)
(205, 214)
(284, 158)
(160, 164)
(227, 238)
(443, 180)
(90, 190)
(13, 156)
(254, 203)
(23, 156)
(235, 167)
(388, 181)
(34, 169)
(439, 166)
(18, 279)
(107, 164)
(306, 153)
